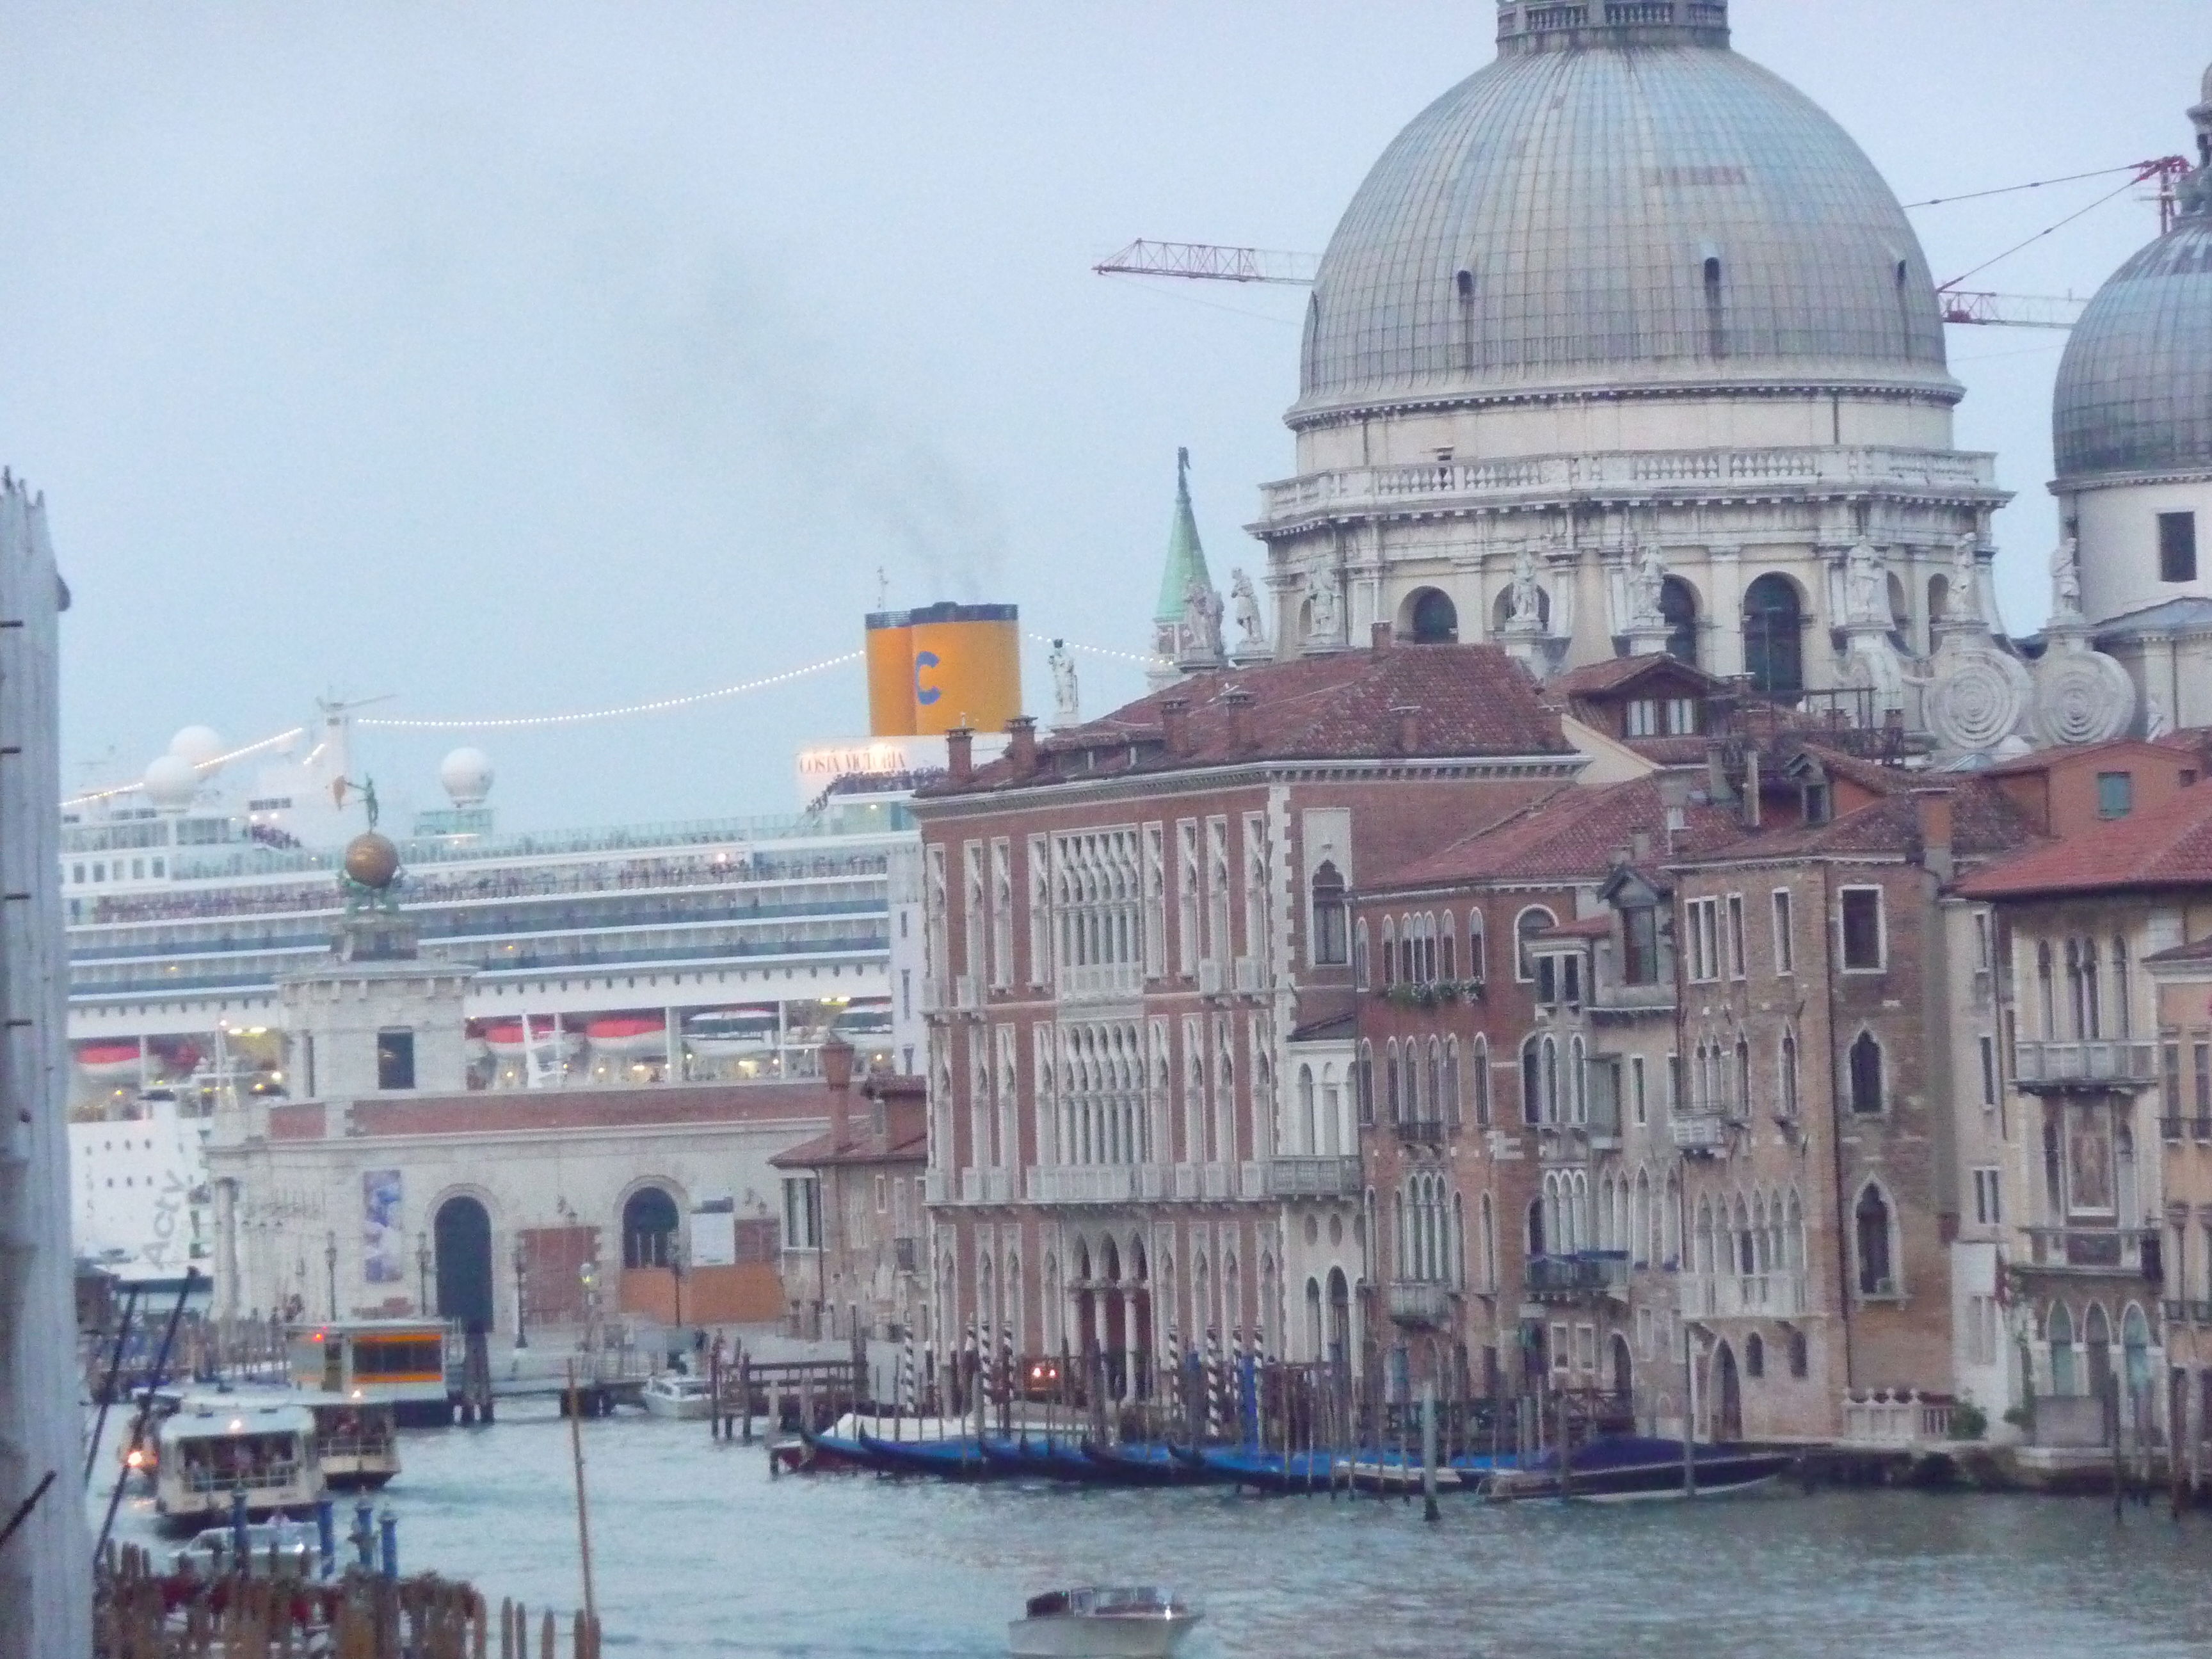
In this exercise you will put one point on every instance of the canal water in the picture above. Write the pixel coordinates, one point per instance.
(699, 1555)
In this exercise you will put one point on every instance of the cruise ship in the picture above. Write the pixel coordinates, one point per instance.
(714, 950)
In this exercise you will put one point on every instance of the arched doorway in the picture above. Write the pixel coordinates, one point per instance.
(1728, 1403)
(1624, 1369)
(2097, 1341)
(1140, 1320)
(1339, 1317)
(649, 1223)
(1773, 635)
(1429, 617)
(463, 1229)
(1677, 609)
(1117, 1320)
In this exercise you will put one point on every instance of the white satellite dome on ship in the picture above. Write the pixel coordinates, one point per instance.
(467, 776)
(197, 745)
(170, 782)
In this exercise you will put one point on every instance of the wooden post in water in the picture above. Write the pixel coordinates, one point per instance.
(1689, 1415)
(745, 1393)
(583, 1509)
(1429, 1511)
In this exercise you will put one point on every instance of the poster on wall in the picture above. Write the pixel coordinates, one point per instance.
(381, 1255)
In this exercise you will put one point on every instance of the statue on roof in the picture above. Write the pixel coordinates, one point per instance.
(1251, 631)
(1066, 700)
(2066, 578)
(1648, 589)
(1321, 589)
(1866, 585)
(1201, 620)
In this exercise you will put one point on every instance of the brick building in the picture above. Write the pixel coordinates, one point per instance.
(852, 1259)
(1130, 928)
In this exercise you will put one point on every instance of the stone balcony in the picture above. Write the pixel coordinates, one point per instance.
(1316, 1176)
(1896, 1418)
(2110, 1063)
(1585, 1273)
(1423, 1302)
(2130, 1250)
(1424, 487)
(1701, 1134)
(1742, 1296)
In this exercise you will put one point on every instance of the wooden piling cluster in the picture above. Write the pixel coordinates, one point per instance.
(782, 1396)
(140, 1613)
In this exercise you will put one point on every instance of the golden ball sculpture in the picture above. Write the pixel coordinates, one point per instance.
(372, 861)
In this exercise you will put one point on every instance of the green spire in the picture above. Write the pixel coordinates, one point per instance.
(1186, 558)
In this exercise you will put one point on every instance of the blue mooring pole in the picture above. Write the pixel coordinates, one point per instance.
(237, 1544)
(326, 1535)
(364, 1534)
(388, 1524)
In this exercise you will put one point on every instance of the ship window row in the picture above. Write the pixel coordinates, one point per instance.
(95, 870)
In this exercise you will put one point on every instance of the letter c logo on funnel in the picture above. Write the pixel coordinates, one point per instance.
(925, 694)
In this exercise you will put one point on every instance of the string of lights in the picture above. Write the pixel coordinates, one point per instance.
(658, 706)
(1141, 659)
(208, 765)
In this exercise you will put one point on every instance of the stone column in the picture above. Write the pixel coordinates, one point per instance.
(1723, 640)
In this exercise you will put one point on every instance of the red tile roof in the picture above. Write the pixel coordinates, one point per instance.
(1593, 678)
(1984, 823)
(1471, 701)
(2168, 845)
(1573, 834)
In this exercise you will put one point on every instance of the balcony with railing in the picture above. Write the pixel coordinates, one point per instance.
(1421, 1302)
(1083, 1184)
(1582, 1273)
(1702, 1134)
(2095, 1250)
(2108, 1063)
(1742, 1295)
(1896, 1418)
(1310, 1176)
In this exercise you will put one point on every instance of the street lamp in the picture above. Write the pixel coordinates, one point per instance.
(331, 1269)
(422, 1272)
(521, 1332)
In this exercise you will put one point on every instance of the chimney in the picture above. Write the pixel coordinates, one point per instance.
(960, 753)
(837, 1074)
(1378, 638)
(1021, 745)
(1751, 785)
(1174, 724)
(1717, 787)
(1409, 717)
(1243, 734)
(1932, 808)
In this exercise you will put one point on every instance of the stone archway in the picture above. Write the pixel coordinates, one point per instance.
(462, 1229)
(1727, 1409)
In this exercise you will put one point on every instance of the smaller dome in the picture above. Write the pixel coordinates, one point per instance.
(467, 775)
(199, 744)
(170, 782)
(372, 861)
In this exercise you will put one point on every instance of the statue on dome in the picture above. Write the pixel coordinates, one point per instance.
(1201, 621)
(1251, 631)
(1649, 590)
(1321, 589)
(1067, 700)
(1528, 598)
(2066, 578)
(1865, 585)
(1959, 604)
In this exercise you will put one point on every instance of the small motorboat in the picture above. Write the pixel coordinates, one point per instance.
(1112, 1622)
(280, 1547)
(674, 1394)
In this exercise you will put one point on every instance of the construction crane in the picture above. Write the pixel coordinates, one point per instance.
(1210, 262)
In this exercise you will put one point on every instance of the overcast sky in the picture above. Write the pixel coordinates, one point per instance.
(546, 357)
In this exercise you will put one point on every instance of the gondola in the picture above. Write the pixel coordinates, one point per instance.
(1050, 1457)
(1143, 1464)
(1626, 1469)
(948, 1460)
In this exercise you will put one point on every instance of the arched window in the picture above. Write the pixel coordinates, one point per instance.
(1639, 1219)
(1450, 1093)
(1489, 1245)
(1363, 1083)
(2123, 1011)
(1393, 1102)
(1330, 941)
(1390, 951)
(2058, 1327)
(1754, 1356)
(1788, 1075)
(1530, 922)
(1870, 1219)
(1532, 1082)
(1435, 1098)
(1773, 635)
(1551, 1049)
(1578, 1081)
(1458, 1242)
(1742, 1101)
(1448, 945)
(1535, 1226)
(1429, 950)
(2135, 1351)
(1866, 1074)
(1360, 957)
(1478, 948)
(649, 1223)
(1480, 1064)
(1801, 1356)
(2096, 1349)
(1678, 608)
(1430, 618)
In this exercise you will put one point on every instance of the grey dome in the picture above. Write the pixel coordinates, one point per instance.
(1549, 221)
(2135, 387)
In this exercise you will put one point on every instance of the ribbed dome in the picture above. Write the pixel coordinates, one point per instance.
(2135, 387)
(1554, 219)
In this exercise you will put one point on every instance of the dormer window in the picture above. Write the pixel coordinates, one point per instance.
(1817, 801)
(1639, 945)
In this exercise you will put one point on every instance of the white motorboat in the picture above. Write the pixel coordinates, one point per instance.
(287, 1548)
(672, 1394)
(1111, 1622)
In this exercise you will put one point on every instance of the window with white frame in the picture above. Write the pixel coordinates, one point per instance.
(1861, 926)
(1002, 913)
(1987, 1045)
(1737, 965)
(1636, 1089)
(1156, 901)
(1785, 933)
(1703, 936)
(1039, 873)
(1988, 1198)
(973, 904)
(1186, 910)
(802, 1212)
